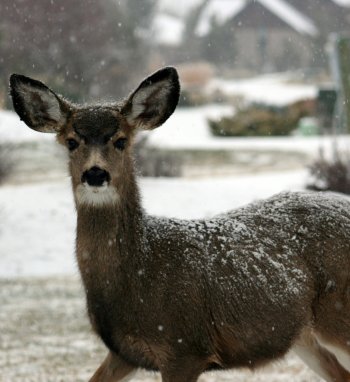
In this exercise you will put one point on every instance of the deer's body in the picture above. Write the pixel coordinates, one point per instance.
(224, 287)
(184, 297)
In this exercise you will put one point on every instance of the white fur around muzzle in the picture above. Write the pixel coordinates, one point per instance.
(96, 196)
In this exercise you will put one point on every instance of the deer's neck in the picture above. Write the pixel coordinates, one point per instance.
(109, 238)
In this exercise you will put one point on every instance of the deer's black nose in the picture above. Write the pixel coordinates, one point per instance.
(95, 176)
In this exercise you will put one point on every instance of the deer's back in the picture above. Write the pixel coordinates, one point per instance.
(306, 229)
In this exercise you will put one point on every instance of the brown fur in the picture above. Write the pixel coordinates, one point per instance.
(184, 297)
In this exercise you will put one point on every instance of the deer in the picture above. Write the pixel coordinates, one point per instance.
(182, 297)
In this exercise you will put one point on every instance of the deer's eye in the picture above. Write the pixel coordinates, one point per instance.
(120, 144)
(72, 144)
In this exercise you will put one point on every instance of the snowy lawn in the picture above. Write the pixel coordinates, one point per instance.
(38, 220)
(277, 89)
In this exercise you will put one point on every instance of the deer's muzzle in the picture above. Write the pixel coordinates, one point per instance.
(95, 176)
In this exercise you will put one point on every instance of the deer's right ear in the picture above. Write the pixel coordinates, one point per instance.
(38, 106)
(153, 102)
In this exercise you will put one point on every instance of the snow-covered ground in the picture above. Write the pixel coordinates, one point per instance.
(37, 221)
(277, 89)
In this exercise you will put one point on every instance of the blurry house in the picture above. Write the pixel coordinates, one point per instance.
(258, 35)
(268, 34)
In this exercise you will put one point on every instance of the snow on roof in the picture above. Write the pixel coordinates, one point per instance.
(167, 29)
(223, 10)
(291, 16)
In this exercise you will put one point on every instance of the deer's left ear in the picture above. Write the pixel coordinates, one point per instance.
(37, 105)
(153, 102)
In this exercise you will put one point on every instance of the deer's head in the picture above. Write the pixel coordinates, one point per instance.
(98, 137)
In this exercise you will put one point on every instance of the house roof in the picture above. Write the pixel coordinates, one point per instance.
(224, 10)
(330, 16)
(290, 15)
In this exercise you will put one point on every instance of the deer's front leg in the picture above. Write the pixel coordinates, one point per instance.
(112, 369)
(185, 369)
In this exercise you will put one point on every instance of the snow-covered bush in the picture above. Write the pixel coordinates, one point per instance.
(6, 163)
(261, 120)
(255, 121)
(330, 174)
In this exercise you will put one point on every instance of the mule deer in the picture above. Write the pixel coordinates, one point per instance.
(183, 297)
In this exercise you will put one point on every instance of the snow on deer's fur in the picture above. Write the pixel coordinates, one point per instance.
(183, 297)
